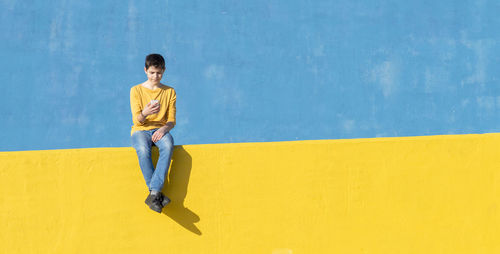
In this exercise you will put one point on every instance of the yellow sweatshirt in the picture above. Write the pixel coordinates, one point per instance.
(140, 97)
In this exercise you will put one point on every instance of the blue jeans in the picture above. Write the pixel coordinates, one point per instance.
(142, 143)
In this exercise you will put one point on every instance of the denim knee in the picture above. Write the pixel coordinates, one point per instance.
(142, 150)
(141, 142)
(165, 143)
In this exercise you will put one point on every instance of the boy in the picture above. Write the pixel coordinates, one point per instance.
(153, 114)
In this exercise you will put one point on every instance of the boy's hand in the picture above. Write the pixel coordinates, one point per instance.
(151, 109)
(159, 134)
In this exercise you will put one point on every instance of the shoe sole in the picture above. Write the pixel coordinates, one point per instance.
(156, 210)
(164, 200)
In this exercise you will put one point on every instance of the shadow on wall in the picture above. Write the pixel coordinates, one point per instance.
(175, 188)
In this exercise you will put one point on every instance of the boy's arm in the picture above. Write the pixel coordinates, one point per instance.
(172, 109)
(135, 106)
(170, 119)
(167, 127)
(171, 112)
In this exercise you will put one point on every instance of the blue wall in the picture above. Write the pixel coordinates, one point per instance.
(249, 70)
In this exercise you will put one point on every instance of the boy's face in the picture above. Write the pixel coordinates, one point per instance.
(154, 74)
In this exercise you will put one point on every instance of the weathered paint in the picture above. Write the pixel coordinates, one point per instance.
(249, 71)
(436, 194)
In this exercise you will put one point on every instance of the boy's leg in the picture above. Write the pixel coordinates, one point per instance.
(141, 141)
(166, 147)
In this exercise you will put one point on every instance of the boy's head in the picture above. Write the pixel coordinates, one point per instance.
(155, 60)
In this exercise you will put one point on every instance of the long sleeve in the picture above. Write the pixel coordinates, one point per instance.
(135, 106)
(171, 108)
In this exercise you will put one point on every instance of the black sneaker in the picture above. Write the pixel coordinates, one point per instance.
(149, 200)
(165, 200)
(155, 202)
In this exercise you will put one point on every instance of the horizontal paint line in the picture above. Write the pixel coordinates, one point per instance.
(354, 140)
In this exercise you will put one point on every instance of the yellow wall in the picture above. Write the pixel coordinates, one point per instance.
(436, 194)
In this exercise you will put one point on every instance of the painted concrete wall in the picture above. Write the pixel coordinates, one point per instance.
(249, 70)
(434, 194)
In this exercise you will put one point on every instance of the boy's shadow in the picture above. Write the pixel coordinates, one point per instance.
(175, 188)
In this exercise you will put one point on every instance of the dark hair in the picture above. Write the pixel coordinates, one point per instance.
(155, 60)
